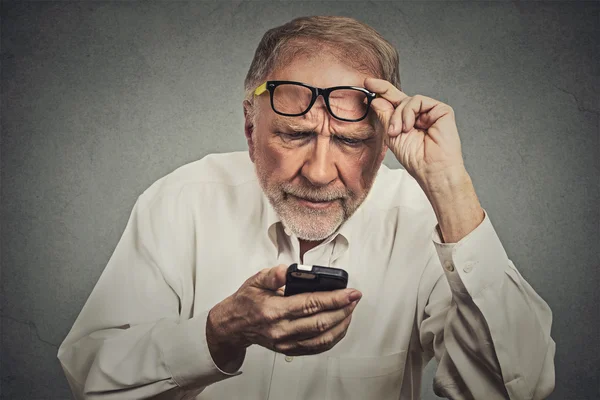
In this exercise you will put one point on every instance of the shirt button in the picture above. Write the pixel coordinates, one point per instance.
(449, 266)
(468, 268)
(289, 358)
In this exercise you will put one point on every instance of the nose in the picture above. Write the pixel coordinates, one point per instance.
(319, 167)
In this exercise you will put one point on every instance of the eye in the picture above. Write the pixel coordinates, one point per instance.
(349, 141)
(295, 136)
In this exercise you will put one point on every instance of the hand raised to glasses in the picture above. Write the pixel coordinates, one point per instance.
(258, 313)
(420, 131)
(422, 134)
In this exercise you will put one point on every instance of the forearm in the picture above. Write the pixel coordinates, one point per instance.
(140, 361)
(498, 343)
(496, 327)
(225, 352)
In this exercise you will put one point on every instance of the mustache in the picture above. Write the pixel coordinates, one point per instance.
(314, 194)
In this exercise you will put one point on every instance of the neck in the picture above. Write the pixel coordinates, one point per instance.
(305, 246)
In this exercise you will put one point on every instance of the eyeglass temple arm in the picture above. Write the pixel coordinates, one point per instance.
(261, 89)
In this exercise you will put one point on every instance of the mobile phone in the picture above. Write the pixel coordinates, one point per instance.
(306, 278)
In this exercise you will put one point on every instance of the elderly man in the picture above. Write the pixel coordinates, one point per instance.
(188, 307)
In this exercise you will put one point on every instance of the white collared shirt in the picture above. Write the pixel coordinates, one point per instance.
(198, 233)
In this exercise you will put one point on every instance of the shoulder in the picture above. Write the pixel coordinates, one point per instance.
(214, 173)
(397, 206)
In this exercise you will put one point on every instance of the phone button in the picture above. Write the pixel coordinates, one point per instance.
(289, 358)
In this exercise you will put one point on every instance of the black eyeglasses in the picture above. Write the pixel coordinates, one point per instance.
(293, 99)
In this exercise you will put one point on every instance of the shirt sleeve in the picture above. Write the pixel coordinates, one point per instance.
(130, 341)
(486, 326)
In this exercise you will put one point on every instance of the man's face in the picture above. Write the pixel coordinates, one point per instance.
(314, 169)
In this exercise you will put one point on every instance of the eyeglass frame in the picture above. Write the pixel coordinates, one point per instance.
(270, 86)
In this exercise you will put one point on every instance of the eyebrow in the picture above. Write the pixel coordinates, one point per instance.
(281, 126)
(361, 132)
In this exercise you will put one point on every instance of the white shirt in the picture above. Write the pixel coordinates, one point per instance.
(198, 233)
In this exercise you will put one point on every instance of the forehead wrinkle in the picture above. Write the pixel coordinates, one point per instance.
(349, 131)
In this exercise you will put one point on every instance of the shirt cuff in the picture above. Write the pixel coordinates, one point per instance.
(477, 261)
(186, 354)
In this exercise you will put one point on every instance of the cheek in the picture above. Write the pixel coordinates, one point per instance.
(281, 164)
(356, 171)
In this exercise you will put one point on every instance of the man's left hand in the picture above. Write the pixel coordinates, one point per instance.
(419, 130)
(422, 134)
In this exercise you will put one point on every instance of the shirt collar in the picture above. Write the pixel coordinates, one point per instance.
(271, 220)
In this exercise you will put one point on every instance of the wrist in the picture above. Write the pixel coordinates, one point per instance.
(454, 201)
(226, 350)
(450, 181)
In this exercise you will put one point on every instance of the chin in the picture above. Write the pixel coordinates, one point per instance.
(312, 225)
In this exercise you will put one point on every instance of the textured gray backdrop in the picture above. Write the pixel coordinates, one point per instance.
(101, 99)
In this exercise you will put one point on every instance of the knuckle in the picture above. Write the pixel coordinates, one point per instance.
(326, 341)
(339, 300)
(262, 273)
(275, 334)
(320, 325)
(280, 347)
(269, 315)
(311, 306)
(257, 278)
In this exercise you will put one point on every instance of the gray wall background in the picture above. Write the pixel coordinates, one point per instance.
(100, 99)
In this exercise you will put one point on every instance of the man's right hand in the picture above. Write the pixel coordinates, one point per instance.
(258, 313)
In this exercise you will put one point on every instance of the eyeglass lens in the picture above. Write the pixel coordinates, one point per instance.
(344, 103)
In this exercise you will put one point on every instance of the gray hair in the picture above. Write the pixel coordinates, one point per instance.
(346, 38)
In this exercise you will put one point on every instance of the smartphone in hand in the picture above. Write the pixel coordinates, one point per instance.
(306, 278)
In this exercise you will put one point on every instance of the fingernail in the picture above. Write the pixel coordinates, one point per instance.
(391, 129)
(354, 295)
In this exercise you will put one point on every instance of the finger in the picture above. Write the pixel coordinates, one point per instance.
(383, 109)
(315, 345)
(306, 304)
(385, 89)
(437, 113)
(396, 120)
(308, 327)
(416, 106)
(389, 116)
(270, 278)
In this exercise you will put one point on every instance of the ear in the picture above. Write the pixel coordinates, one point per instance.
(384, 150)
(249, 127)
(381, 155)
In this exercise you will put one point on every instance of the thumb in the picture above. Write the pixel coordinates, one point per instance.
(271, 278)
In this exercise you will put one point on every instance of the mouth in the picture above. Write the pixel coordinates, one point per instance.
(315, 204)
